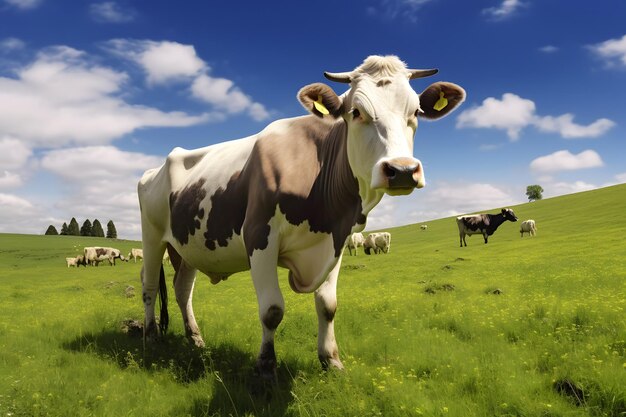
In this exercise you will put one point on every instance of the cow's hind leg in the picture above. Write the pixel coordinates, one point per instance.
(150, 276)
(326, 306)
(184, 280)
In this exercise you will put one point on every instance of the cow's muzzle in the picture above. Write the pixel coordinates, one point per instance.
(401, 175)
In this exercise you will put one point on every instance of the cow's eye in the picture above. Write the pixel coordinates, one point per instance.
(355, 113)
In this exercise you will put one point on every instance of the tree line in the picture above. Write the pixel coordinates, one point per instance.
(88, 229)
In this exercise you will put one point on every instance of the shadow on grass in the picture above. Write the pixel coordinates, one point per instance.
(237, 390)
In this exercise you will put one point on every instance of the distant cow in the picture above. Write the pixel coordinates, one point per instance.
(528, 226)
(484, 224)
(135, 253)
(95, 255)
(424, 227)
(71, 262)
(354, 241)
(378, 242)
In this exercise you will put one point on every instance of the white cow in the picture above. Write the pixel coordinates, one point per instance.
(71, 261)
(378, 242)
(94, 255)
(528, 226)
(135, 253)
(288, 196)
(354, 241)
(424, 227)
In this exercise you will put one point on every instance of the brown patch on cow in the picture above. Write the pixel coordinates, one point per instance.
(101, 252)
(272, 317)
(186, 212)
(228, 209)
(304, 173)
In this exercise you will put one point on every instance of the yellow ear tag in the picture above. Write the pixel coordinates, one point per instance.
(320, 106)
(441, 103)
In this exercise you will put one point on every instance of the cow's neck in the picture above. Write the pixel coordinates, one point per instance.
(496, 220)
(336, 182)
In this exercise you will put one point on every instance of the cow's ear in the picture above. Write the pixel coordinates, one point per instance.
(320, 100)
(439, 99)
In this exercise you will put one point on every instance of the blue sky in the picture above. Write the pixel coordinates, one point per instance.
(92, 93)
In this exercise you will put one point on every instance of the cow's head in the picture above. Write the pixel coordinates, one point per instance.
(381, 111)
(509, 215)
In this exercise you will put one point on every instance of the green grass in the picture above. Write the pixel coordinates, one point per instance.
(420, 330)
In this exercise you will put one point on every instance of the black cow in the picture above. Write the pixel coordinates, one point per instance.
(484, 224)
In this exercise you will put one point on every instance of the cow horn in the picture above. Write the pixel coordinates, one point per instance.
(421, 73)
(339, 77)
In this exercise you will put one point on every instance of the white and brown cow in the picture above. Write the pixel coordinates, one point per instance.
(287, 196)
(377, 242)
(482, 224)
(96, 254)
(355, 240)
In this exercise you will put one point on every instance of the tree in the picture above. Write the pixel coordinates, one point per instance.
(51, 230)
(64, 229)
(73, 229)
(111, 232)
(86, 229)
(96, 229)
(534, 192)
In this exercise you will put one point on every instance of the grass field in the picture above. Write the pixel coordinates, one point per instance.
(518, 327)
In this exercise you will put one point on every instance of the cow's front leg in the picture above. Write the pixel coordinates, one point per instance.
(271, 307)
(326, 306)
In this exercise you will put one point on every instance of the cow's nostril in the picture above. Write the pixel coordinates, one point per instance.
(389, 171)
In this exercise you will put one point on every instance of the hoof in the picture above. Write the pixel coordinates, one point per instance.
(331, 362)
(197, 340)
(151, 332)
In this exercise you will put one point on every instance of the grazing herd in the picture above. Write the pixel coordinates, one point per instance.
(94, 255)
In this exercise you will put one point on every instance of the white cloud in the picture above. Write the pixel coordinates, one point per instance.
(621, 178)
(90, 165)
(504, 10)
(391, 9)
(566, 161)
(13, 153)
(110, 12)
(513, 113)
(565, 126)
(9, 180)
(562, 188)
(549, 49)
(612, 51)
(223, 94)
(162, 61)
(61, 98)
(11, 44)
(460, 198)
(23, 4)
(166, 62)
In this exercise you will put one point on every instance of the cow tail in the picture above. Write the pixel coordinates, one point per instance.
(164, 317)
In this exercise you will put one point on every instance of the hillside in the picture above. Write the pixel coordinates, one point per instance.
(520, 326)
